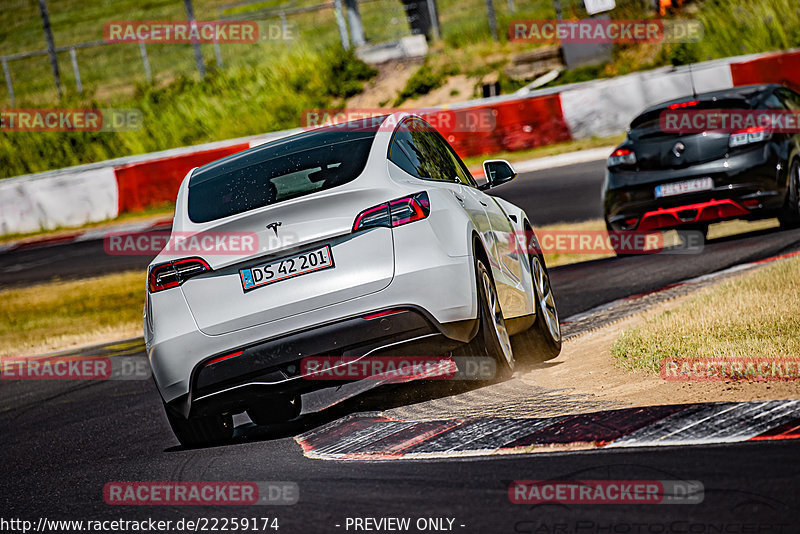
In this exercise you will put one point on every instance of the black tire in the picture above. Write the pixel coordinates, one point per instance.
(276, 410)
(701, 228)
(543, 338)
(789, 216)
(200, 431)
(620, 252)
(492, 339)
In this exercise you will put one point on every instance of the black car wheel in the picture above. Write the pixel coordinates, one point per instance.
(701, 229)
(615, 243)
(790, 214)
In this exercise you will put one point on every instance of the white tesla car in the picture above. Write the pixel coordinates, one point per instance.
(373, 240)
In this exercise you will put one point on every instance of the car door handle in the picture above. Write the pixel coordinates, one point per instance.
(458, 198)
(483, 203)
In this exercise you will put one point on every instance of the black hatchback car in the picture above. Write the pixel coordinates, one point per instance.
(663, 177)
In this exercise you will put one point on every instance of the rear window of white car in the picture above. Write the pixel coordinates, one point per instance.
(276, 172)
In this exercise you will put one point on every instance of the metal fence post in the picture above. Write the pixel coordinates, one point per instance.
(51, 47)
(285, 29)
(511, 7)
(437, 34)
(9, 84)
(198, 52)
(218, 54)
(492, 19)
(340, 22)
(356, 26)
(143, 51)
(75, 69)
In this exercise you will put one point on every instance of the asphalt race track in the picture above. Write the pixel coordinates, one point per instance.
(61, 442)
(561, 194)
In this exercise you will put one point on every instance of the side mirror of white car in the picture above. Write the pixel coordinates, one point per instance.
(497, 171)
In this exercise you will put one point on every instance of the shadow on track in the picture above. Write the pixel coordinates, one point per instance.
(376, 400)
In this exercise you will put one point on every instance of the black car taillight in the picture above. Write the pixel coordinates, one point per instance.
(394, 213)
(681, 105)
(622, 156)
(754, 134)
(174, 273)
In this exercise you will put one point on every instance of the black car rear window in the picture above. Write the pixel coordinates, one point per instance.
(647, 126)
(277, 172)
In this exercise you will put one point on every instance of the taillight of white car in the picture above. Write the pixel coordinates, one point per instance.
(394, 213)
(174, 273)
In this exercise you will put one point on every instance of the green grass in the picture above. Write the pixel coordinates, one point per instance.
(731, 28)
(738, 319)
(425, 80)
(734, 27)
(56, 315)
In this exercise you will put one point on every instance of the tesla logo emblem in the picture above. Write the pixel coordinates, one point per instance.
(678, 149)
(274, 227)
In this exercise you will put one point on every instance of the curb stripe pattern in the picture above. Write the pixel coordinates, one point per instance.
(714, 423)
(374, 437)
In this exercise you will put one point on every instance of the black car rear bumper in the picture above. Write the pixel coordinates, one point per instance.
(244, 376)
(747, 185)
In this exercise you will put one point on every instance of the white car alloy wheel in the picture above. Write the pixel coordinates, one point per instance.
(496, 318)
(545, 300)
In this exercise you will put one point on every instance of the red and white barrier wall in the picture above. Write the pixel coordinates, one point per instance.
(78, 195)
(66, 199)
